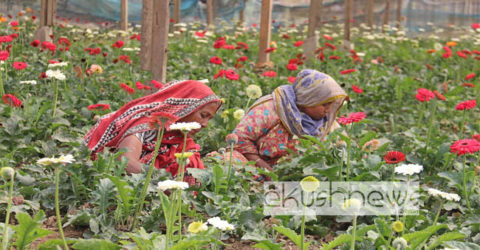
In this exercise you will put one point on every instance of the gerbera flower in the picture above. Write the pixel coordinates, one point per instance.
(424, 95)
(98, 106)
(470, 76)
(271, 49)
(12, 100)
(439, 96)
(351, 118)
(216, 60)
(4, 55)
(465, 146)
(19, 65)
(298, 43)
(156, 84)
(292, 66)
(393, 157)
(409, 169)
(357, 89)
(269, 73)
(242, 59)
(162, 119)
(118, 44)
(127, 88)
(347, 71)
(466, 105)
(291, 79)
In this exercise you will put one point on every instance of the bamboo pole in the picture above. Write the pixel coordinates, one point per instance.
(209, 12)
(146, 44)
(124, 15)
(161, 17)
(310, 44)
(48, 13)
(386, 14)
(348, 17)
(370, 13)
(399, 13)
(176, 10)
(265, 31)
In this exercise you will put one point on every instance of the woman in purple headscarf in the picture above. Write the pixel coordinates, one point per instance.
(308, 107)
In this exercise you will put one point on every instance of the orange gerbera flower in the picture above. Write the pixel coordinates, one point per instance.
(451, 44)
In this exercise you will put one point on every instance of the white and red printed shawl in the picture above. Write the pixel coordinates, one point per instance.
(179, 98)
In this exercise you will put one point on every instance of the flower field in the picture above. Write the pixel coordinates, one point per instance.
(412, 116)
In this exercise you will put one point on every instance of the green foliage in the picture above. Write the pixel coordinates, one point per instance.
(292, 236)
(29, 229)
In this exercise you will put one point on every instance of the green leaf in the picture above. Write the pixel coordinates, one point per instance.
(366, 137)
(291, 235)
(382, 227)
(54, 244)
(268, 245)
(461, 245)
(446, 237)
(416, 238)
(340, 240)
(125, 192)
(454, 178)
(96, 244)
(29, 229)
(192, 241)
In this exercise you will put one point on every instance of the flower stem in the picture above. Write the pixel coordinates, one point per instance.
(55, 99)
(349, 148)
(438, 213)
(57, 207)
(462, 125)
(352, 244)
(230, 166)
(302, 230)
(430, 124)
(148, 177)
(7, 218)
(465, 191)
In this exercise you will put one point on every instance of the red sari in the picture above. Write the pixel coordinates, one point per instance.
(179, 98)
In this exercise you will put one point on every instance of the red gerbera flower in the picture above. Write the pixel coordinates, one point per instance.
(127, 88)
(327, 37)
(357, 89)
(156, 84)
(439, 96)
(98, 106)
(466, 105)
(242, 59)
(292, 66)
(333, 57)
(4, 55)
(330, 46)
(470, 76)
(19, 65)
(241, 45)
(475, 26)
(269, 73)
(231, 75)
(216, 60)
(139, 85)
(219, 44)
(118, 44)
(228, 46)
(162, 119)
(347, 71)
(351, 118)
(461, 54)
(424, 95)
(200, 33)
(35, 43)
(393, 157)
(12, 100)
(271, 49)
(291, 79)
(286, 36)
(220, 73)
(476, 137)
(465, 146)
(14, 23)
(5, 39)
(298, 43)
(471, 85)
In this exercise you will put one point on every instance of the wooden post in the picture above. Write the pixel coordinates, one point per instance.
(161, 20)
(370, 13)
(124, 15)
(348, 17)
(399, 13)
(241, 17)
(146, 44)
(265, 30)
(176, 10)
(386, 14)
(48, 12)
(310, 44)
(209, 12)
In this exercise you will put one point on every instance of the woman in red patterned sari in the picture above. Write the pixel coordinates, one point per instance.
(128, 127)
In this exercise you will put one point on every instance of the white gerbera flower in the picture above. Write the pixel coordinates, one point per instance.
(169, 184)
(52, 160)
(444, 195)
(131, 49)
(352, 205)
(238, 114)
(57, 65)
(408, 169)
(253, 91)
(31, 82)
(57, 74)
(185, 126)
(220, 224)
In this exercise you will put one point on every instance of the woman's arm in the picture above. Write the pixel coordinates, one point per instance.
(134, 150)
(259, 162)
